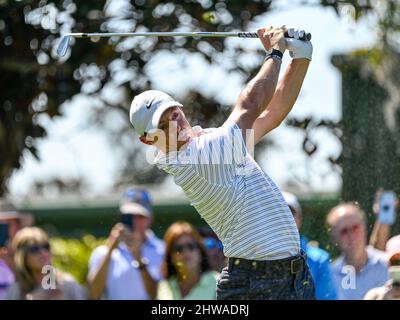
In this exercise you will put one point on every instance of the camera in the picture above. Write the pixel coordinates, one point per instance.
(128, 220)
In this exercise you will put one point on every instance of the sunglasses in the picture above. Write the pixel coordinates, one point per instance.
(181, 247)
(35, 249)
(347, 230)
(211, 243)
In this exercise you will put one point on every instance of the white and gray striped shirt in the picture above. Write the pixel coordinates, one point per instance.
(233, 195)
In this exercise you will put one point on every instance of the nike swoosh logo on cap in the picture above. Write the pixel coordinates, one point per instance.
(148, 104)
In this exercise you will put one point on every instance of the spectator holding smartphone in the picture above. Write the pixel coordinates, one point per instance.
(385, 205)
(128, 267)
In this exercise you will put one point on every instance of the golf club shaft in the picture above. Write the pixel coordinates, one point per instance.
(306, 36)
(64, 43)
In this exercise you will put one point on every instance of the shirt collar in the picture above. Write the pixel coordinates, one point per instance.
(373, 259)
(163, 159)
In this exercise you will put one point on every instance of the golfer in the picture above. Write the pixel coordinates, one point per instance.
(214, 167)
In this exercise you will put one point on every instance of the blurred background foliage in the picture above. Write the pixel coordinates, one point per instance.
(72, 255)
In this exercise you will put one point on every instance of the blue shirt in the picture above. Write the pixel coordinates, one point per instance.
(354, 285)
(124, 281)
(318, 261)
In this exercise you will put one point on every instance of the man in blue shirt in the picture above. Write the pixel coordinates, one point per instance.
(318, 259)
(128, 266)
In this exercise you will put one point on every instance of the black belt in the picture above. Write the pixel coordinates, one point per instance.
(292, 265)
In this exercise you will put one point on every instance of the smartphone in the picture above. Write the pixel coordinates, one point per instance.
(3, 234)
(387, 207)
(128, 220)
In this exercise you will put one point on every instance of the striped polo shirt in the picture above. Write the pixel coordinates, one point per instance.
(233, 195)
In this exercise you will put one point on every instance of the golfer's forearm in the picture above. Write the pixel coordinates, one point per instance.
(283, 100)
(260, 90)
(97, 283)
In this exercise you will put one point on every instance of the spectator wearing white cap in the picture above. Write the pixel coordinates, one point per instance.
(318, 259)
(391, 290)
(128, 267)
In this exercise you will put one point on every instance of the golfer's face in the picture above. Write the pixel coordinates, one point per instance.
(175, 127)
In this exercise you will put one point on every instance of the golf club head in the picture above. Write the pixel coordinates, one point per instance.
(63, 45)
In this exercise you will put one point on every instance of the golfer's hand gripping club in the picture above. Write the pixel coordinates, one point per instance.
(298, 49)
(305, 36)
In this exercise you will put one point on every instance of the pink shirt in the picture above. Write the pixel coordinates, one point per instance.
(6, 279)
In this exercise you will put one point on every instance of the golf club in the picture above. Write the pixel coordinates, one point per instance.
(64, 43)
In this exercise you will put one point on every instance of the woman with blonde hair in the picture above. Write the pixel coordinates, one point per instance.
(37, 279)
(186, 270)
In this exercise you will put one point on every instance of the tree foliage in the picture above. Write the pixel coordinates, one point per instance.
(35, 82)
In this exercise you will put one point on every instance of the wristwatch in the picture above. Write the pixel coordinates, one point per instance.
(140, 264)
(274, 54)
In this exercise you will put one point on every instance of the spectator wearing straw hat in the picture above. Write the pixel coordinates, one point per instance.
(128, 267)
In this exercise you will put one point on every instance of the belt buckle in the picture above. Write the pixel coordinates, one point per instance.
(294, 267)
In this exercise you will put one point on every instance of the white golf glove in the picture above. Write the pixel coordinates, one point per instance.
(298, 49)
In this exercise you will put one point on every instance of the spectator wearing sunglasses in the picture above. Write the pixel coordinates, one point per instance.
(128, 267)
(214, 249)
(186, 270)
(33, 263)
(360, 267)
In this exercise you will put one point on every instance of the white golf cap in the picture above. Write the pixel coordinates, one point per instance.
(292, 201)
(147, 109)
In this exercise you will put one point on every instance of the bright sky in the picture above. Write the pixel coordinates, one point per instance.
(69, 150)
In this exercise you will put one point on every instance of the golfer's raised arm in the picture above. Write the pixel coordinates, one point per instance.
(288, 88)
(283, 100)
(259, 91)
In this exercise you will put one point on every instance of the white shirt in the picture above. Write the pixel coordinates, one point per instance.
(351, 285)
(238, 200)
(124, 281)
